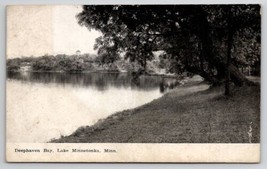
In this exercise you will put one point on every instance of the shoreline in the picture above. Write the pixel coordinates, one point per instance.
(191, 113)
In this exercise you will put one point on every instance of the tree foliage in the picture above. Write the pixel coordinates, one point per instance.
(193, 37)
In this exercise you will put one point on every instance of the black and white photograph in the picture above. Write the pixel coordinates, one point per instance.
(117, 81)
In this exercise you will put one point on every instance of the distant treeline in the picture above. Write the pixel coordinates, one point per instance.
(51, 63)
(76, 63)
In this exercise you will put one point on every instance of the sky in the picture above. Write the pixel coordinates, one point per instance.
(40, 30)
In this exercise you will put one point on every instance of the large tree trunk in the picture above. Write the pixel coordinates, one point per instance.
(225, 69)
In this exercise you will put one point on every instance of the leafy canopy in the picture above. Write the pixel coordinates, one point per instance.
(193, 37)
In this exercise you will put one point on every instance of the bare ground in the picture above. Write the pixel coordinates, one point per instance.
(188, 114)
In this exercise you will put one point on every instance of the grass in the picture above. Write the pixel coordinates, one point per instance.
(188, 114)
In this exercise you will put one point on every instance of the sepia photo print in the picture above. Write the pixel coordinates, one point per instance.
(133, 83)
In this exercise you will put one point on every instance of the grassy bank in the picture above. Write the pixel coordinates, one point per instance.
(188, 114)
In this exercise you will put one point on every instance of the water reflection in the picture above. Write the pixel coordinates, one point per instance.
(99, 81)
(42, 106)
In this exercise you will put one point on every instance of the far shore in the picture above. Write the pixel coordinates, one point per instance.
(192, 113)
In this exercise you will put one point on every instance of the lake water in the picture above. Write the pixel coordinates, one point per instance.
(43, 106)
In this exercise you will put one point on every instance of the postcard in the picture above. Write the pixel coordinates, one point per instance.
(133, 83)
